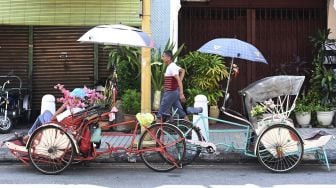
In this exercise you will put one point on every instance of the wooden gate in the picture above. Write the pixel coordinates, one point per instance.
(280, 31)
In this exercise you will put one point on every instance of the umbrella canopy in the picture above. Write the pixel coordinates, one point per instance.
(234, 48)
(117, 35)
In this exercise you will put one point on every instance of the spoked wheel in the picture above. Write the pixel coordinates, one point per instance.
(190, 132)
(51, 150)
(280, 148)
(164, 152)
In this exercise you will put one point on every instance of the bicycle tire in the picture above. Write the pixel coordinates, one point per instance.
(162, 159)
(280, 148)
(189, 131)
(50, 150)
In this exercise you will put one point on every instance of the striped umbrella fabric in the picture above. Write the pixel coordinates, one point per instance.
(234, 48)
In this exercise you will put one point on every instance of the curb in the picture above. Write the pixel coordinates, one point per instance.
(226, 158)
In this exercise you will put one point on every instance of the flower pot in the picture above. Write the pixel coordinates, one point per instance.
(303, 119)
(325, 118)
(156, 100)
(214, 113)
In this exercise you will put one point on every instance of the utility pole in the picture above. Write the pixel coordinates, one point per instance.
(146, 60)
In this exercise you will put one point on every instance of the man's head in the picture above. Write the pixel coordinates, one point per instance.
(167, 56)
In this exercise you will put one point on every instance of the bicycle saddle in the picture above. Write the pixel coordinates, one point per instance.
(194, 110)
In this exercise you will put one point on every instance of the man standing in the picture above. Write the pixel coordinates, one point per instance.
(173, 87)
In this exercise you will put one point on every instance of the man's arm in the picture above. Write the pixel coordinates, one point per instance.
(179, 82)
(181, 73)
(59, 110)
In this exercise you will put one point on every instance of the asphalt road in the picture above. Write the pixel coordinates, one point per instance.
(102, 175)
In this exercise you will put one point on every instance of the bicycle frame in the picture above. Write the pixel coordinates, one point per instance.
(132, 147)
(241, 128)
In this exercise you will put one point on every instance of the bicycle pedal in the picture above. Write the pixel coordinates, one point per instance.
(131, 159)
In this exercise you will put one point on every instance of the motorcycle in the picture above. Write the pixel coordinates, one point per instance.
(14, 103)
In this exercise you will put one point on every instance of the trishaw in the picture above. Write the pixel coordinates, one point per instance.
(55, 146)
(272, 138)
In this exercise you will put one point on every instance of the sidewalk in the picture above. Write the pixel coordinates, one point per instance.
(223, 156)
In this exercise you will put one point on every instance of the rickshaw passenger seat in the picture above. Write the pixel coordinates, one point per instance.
(48, 103)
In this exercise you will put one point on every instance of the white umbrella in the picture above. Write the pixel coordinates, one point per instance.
(117, 35)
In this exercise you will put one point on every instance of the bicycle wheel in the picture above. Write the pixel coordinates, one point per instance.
(280, 148)
(190, 132)
(51, 150)
(164, 152)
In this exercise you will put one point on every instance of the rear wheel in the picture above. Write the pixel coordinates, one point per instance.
(5, 124)
(280, 148)
(164, 152)
(51, 150)
(190, 132)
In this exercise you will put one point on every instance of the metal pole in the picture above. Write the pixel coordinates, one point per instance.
(146, 60)
(227, 84)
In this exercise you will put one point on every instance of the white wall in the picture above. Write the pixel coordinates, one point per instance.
(332, 18)
(164, 21)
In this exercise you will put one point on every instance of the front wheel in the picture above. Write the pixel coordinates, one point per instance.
(50, 150)
(190, 132)
(5, 124)
(162, 147)
(280, 148)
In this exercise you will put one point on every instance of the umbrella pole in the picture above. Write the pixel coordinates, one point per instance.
(227, 85)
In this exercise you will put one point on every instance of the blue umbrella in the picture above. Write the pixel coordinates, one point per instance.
(234, 48)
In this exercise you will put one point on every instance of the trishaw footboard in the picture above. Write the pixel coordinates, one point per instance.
(317, 147)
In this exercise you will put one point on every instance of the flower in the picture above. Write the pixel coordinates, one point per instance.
(258, 110)
(79, 97)
(270, 104)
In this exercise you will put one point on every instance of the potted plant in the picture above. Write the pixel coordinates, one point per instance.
(303, 109)
(130, 105)
(323, 81)
(324, 114)
(213, 97)
(204, 73)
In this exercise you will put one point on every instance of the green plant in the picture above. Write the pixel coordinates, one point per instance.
(258, 110)
(323, 80)
(204, 72)
(303, 105)
(124, 65)
(322, 108)
(131, 103)
(192, 93)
